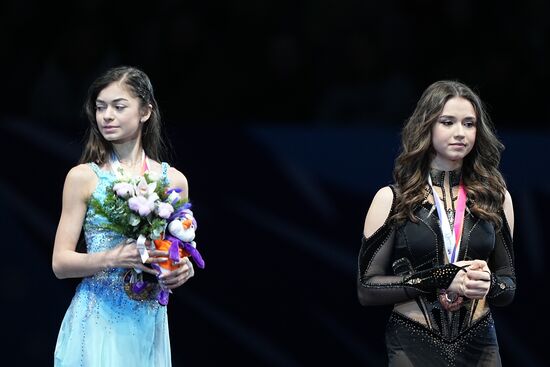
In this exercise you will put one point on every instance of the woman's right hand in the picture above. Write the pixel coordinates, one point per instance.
(126, 255)
(473, 281)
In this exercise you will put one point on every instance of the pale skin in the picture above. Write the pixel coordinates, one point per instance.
(453, 137)
(120, 119)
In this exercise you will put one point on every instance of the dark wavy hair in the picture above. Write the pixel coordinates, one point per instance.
(485, 185)
(96, 148)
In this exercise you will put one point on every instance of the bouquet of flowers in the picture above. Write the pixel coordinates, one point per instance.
(145, 208)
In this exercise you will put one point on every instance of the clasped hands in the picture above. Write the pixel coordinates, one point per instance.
(473, 281)
(126, 255)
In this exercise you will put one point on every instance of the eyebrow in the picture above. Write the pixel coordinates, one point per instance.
(454, 117)
(113, 101)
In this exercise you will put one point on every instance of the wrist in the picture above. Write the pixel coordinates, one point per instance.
(108, 260)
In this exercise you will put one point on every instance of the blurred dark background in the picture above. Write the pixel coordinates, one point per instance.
(285, 117)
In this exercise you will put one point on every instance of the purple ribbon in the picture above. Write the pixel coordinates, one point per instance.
(163, 296)
(187, 247)
(138, 286)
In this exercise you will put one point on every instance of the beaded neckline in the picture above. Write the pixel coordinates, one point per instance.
(438, 177)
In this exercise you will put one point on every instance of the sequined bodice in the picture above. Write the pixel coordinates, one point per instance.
(420, 246)
(97, 237)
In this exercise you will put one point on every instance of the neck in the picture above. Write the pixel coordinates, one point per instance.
(445, 173)
(445, 165)
(129, 153)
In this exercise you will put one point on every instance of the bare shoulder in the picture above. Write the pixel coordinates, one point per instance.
(80, 180)
(508, 208)
(384, 196)
(178, 179)
(81, 175)
(379, 210)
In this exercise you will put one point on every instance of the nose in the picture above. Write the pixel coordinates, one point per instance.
(459, 131)
(108, 113)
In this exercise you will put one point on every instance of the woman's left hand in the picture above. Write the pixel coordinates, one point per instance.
(180, 275)
(477, 280)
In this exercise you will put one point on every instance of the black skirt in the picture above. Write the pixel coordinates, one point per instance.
(410, 343)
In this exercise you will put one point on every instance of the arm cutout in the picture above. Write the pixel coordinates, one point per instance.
(376, 283)
(501, 261)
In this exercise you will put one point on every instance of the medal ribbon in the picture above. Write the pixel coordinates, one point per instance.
(452, 243)
(116, 167)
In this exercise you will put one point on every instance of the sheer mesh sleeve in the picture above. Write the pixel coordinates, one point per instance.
(501, 263)
(376, 284)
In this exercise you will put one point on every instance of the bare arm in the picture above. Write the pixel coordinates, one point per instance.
(66, 262)
(376, 283)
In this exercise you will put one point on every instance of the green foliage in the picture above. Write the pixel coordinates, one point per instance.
(121, 219)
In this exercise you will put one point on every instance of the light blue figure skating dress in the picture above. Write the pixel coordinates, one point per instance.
(103, 326)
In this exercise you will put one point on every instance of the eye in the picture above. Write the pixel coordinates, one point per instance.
(446, 122)
(120, 107)
(99, 108)
(469, 124)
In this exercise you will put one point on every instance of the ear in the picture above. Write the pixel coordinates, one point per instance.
(146, 113)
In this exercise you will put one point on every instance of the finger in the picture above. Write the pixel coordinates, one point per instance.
(479, 275)
(182, 265)
(169, 276)
(475, 291)
(479, 264)
(477, 286)
(176, 282)
(176, 278)
(182, 261)
(156, 260)
(463, 263)
(158, 253)
(147, 269)
(178, 274)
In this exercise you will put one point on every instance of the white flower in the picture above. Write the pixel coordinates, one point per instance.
(164, 210)
(142, 205)
(124, 189)
(173, 197)
(152, 176)
(144, 189)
